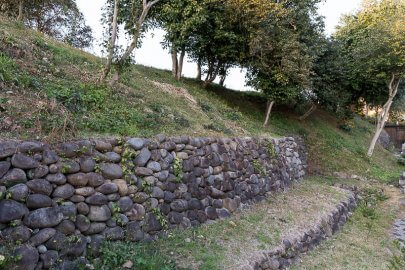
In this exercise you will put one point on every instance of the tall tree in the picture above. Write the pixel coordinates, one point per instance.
(374, 44)
(133, 14)
(60, 19)
(283, 50)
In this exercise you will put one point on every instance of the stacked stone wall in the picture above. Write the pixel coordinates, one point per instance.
(62, 201)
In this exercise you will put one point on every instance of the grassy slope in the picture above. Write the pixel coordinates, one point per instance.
(54, 96)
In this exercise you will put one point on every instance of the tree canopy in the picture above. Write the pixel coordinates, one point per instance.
(60, 19)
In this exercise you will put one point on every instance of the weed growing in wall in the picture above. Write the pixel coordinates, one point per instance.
(127, 162)
(160, 217)
(178, 169)
(271, 150)
(259, 167)
(147, 187)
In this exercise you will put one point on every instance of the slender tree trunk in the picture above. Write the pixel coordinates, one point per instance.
(268, 112)
(111, 46)
(198, 70)
(175, 64)
(209, 74)
(137, 33)
(180, 66)
(20, 11)
(222, 80)
(383, 116)
(308, 113)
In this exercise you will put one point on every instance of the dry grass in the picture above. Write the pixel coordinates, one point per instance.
(362, 244)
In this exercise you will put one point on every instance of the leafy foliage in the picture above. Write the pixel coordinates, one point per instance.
(60, 19)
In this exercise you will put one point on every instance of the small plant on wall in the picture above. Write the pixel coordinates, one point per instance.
(178, 169)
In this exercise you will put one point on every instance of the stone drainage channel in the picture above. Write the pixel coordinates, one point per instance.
(289, 250)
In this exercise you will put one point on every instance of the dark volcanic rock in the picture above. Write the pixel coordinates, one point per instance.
(97, 199)
(151, 223)
(87, 164)
(42, 236)
(40, 186)
(58, 178)
(23, 162)
(49, 157)
(8, 148)
(4, 167)
(39, 172)
(49, 258)
(78, 179)
(13, 177)
(111, 171)
(66, 227)
(107, 188)
(11, 210)
(116, 233)
(19, 233)
(35, 201)
(28, 257)
(19, 192)
(143, 157)
(137, 143)
(99, 213)
(95, 179)
(179, 205)
(66, 191)
(43, 218)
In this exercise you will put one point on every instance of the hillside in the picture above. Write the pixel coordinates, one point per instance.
(49, 92)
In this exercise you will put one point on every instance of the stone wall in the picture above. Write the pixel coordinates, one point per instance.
(61, 201)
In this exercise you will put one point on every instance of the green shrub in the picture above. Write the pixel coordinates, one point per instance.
(7, 68)
(114, 254)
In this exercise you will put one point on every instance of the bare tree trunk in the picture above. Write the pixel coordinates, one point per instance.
(180, 66)
(175, 64)
(308, 113)
(209, 74)
(198, 77)
(268, 112)
(20, 10)
(111, 46)
(222, 80)
(383, 116)
(138, 27)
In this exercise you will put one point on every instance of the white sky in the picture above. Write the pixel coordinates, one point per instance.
(152, 54)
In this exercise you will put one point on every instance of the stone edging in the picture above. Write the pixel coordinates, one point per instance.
(290, 249)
